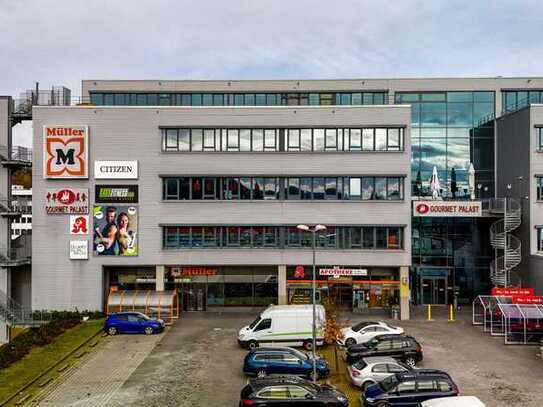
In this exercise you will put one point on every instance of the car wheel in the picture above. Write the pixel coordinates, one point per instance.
(383, 404)
(365, 385)
(252, 345)
(112, 331)
(308, 345)
(350, 342)
(148, 330)
(410, 361)
(261, 374)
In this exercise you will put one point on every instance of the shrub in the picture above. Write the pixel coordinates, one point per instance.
(22, 344)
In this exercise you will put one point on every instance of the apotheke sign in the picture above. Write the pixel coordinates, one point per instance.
(447, 209)
(116, 170)
(336, 271)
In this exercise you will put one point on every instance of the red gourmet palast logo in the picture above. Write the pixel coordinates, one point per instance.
(422, 208)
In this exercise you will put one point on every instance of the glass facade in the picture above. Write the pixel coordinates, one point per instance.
(238, 99)
(450, 130)
(366, 188)
(282, 237)
(262, 140)
(516, 99)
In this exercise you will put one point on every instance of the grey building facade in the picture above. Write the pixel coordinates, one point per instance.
(229, 204)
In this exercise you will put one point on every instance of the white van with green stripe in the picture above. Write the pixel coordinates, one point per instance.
(285, 325)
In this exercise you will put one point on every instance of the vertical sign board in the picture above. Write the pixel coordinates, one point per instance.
(79, 224)
(65, 152)
(79, 249)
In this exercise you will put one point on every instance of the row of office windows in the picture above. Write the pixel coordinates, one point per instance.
(258, 140)
(283, 188)
(283, 237)
(515, 99)
(238, 99)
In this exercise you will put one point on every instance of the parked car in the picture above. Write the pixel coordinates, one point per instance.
(409, 389)
(131, 323)
(459, 401)
(364, 331)
(368, 371)
(401, 347)
(290, 391)
(289, 325)
(264, 361)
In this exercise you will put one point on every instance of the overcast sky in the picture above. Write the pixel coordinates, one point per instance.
(60, 42)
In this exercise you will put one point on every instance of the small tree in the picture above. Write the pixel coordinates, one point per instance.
(333, 329)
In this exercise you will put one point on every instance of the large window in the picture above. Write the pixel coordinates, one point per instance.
(539, 186)
(238, 99)
(357, 139)
(539, 140)
(539, 231)
(335, 237)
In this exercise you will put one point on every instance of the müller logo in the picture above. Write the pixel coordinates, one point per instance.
(65, 152)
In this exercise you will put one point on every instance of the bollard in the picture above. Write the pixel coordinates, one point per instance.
(430, 313)
(451, 313)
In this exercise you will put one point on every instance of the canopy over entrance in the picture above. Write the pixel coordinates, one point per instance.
(157, 304)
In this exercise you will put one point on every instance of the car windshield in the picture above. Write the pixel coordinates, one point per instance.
(300, 354)
(360, 364)
(389, 383)
(143, 316)
(256, 321)
(361, 325)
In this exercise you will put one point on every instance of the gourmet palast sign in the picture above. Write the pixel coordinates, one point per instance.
(447, 208)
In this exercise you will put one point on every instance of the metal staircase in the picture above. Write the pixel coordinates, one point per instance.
(14, 314)
(507, 246)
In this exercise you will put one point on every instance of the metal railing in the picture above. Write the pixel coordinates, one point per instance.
(16, 153)
(15, 206)
(519, 104)
(503, 241)
(13, 256)
(13, 313)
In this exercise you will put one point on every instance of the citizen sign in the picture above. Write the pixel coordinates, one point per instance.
(65, 152)
(116, 169)
(447, 208)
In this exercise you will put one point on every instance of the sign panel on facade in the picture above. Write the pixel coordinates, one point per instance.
(116, 170)
(79, 224)
(192, 271)
(115, 230)
(468, 209)
(65, 151)
(66, 201)
(337, 271)
(79, 250)
(527, 299)
(116, 194)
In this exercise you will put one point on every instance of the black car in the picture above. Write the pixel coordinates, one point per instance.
(401, 347)
(409, 389)
(282, 391)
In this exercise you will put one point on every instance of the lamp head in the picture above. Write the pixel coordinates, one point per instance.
(318, 228)
(303, 227)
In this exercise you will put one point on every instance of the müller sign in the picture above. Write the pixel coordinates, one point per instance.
(447, 208)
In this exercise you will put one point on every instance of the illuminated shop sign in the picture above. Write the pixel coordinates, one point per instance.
(337, 271)
(65, 151)
(447, 209)
(116, 194)
(192, 271)
(515, 292)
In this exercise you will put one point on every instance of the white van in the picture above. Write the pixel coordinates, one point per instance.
(286, 325)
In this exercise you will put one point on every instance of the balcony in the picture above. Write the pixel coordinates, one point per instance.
(15, 206)
(16, 156)
(15, 256)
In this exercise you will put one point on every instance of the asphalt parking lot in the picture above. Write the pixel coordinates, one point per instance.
(198, 363)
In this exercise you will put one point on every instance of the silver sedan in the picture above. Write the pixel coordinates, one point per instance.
(371, 370)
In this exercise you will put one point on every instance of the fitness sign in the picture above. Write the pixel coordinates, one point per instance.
(470, 209)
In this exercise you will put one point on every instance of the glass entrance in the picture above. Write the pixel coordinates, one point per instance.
(194, 297)
(434, 290)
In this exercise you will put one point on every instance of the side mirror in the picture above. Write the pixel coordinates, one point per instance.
(309, 396)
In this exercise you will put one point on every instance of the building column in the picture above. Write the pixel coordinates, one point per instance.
(282, 284)
(404, 293)
(159, 275)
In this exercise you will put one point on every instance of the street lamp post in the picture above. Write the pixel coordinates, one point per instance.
(313, 232)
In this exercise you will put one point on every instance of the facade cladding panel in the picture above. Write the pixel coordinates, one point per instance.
(134, 133)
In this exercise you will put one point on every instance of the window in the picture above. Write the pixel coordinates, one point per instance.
(232, 143)
(270, 140)
(380, 139)
(539, 144)
(394, 238)
(539, 230)
(270, 188)
(380, 368)
(274, 393)
(331, 188)
(197, 140)
(318, 188)
(306, 140)
(393, 141)
(384, 345)
(368, 188)
(245, 140)
(368, 238)
(406, 387)
(393, 189)
(258, 139)
(293, 140)
(245, 188)
(355, 139)
(539, 186)
(264, 324)
(293, 188)
(296, 392)
(171, 140)
(380, 238)
(368, 143)
(393, 368)
(380, 188)
(171, 188)
(305, 188)
(331, 140)
(318, 140)
(184, 139)
(210, 188)
(443, 386)
(425, 385)
(209, 140)
(232, 236)
(197, 188)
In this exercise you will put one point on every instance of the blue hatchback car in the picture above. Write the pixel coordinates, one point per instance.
(261, 362)
(132, 323)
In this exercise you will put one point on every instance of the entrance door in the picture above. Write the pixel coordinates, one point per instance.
(434, 290)
(194, 297)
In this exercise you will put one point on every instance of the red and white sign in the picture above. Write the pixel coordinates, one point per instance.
(65, 152)
(67, 201)
(79, 224)
(299, 272)
(192, 271)
(447, 208)
(527, 299)
(336, 271)
(512, 292)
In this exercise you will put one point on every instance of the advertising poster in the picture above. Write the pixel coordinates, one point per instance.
(65, 152)
(121, 194)
(115, 230)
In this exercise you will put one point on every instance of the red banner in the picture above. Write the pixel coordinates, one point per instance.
(528, 299)
(516, 292)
